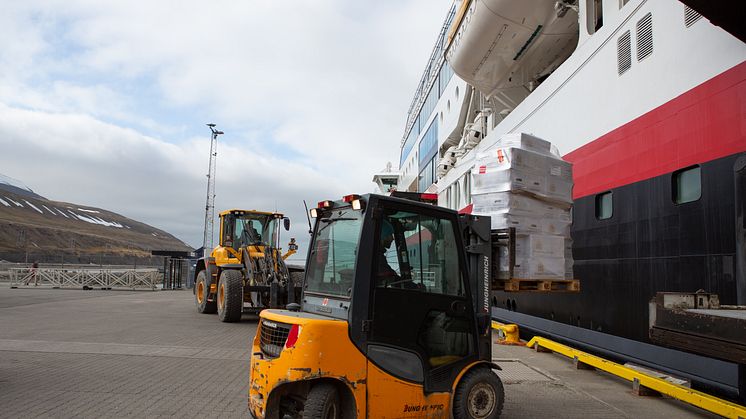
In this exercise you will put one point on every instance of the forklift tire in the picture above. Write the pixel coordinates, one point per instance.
(322, 402)
(230, 296)
(201, 291)
(480, 394)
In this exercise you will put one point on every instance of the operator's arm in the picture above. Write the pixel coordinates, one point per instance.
(385, 274)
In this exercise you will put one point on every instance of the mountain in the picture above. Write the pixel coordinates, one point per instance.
(33, 228)
(9, 184)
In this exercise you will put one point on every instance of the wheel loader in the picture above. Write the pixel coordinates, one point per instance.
(247, 270)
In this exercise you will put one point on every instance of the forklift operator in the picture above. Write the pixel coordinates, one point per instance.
(386, 274)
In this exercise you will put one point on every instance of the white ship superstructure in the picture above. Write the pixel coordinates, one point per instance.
(646, 99)
(631, 57)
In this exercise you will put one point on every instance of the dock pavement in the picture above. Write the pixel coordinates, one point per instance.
(72, 354)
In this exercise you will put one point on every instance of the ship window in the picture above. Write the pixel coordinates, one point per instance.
(594, 15)
(622, 3)
(687, 185)
(624, 52)
(690, 16)
(644, 37)
(604, 205)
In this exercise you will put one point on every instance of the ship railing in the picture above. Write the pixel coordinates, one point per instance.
(431, 72)
(100, 277)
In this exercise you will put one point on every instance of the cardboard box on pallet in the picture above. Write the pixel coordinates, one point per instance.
(515, 170)
(526, 142)
(545, 267)
(517, 203)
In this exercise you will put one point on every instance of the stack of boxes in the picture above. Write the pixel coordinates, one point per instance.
(520, 183)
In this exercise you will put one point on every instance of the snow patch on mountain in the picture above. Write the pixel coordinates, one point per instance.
(34, 207)
(95, 220)
(18, 204)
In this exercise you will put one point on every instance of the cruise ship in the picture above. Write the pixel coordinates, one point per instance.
(647, 100)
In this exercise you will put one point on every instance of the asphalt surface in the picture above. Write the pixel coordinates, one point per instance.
(74, 353)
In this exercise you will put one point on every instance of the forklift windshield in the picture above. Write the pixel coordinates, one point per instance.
(332, 259)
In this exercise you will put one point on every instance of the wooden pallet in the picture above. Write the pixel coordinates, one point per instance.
(539, 285)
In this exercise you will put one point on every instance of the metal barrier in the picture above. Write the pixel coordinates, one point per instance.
(176, 273)
(641, 379)
(86, 277)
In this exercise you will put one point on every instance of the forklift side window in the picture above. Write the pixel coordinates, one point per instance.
(419, 253)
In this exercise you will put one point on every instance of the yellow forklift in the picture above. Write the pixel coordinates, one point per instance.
(394, 318)
(247, 267)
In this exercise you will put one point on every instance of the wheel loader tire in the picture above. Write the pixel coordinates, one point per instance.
(201, 291)
(322, 402)
(479, 395)
(230, 296)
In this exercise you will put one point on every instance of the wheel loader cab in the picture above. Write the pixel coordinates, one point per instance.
(240, 228)
(387, 325)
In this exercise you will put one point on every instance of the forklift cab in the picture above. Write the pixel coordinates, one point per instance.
(390, 277)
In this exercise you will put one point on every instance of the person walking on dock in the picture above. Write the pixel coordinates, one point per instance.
(34, 269)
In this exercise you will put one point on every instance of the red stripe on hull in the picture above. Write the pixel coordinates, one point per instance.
(703, 124)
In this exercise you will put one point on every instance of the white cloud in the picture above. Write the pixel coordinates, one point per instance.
(103, 103)
(79, 159)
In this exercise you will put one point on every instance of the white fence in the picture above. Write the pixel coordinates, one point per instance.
(147, 278)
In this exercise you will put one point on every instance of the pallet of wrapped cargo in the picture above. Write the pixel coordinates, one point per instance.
(526, 189)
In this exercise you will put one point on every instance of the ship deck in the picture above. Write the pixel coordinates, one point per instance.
(74, 353)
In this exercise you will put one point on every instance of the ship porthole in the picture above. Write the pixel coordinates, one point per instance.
(456, 92)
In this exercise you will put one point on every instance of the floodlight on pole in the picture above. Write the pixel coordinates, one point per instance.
(210, 201)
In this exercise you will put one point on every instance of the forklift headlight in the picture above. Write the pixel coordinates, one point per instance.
(357, 204)
(314, 213)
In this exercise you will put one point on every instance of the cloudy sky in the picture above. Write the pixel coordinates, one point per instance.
(104, 103)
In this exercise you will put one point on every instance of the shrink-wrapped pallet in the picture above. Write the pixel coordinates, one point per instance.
(521, 183)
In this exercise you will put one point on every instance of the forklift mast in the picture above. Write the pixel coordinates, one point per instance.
(476, 236)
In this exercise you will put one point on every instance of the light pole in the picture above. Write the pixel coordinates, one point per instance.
(210, 201)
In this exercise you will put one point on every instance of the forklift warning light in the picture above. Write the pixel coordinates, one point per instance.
(292, 336)
(430, 197)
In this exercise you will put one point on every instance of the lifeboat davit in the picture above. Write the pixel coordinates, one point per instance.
(497, 45)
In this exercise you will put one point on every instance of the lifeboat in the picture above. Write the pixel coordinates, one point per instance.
(501, 45)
